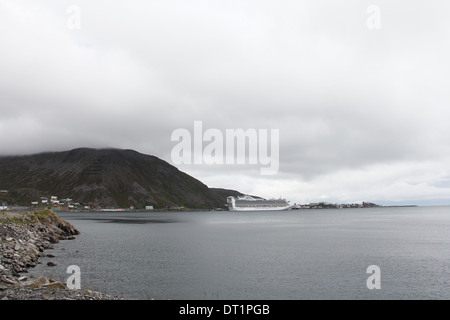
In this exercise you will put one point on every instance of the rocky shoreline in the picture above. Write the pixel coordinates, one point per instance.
(24, 237)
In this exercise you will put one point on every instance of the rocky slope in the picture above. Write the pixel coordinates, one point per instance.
(23, 240)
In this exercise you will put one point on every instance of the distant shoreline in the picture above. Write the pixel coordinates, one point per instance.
(402, 206)
(20, 209)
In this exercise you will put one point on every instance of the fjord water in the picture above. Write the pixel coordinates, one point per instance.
(302, 254)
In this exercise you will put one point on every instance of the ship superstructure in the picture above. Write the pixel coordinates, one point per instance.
(249, 203)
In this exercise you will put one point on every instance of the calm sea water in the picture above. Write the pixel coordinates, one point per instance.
(305, 254)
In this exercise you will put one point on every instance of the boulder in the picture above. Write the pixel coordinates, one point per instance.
(39, 282)
(6, 280)
(54, 285)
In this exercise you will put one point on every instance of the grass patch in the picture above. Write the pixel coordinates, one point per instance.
(21, 221)
(43, 213)
(29, 218)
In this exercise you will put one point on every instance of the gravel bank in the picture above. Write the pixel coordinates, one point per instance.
(24, 237)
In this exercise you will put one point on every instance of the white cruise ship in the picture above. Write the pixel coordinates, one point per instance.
(249, 203)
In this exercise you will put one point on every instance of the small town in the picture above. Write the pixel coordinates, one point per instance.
(64, 204)
(328, 205)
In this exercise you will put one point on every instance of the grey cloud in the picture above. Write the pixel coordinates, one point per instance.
(344, 97)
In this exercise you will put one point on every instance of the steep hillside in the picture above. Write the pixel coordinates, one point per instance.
(108, 177)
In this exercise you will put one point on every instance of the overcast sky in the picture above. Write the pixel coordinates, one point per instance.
(359, 90)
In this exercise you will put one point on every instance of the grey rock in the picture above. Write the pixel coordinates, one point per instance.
(39, 282)
(54, 285)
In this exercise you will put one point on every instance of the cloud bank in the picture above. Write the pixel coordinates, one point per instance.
(362, 113)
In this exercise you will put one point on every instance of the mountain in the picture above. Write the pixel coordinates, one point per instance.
(106, 177)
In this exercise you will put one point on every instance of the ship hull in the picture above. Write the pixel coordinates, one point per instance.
(258, 209)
